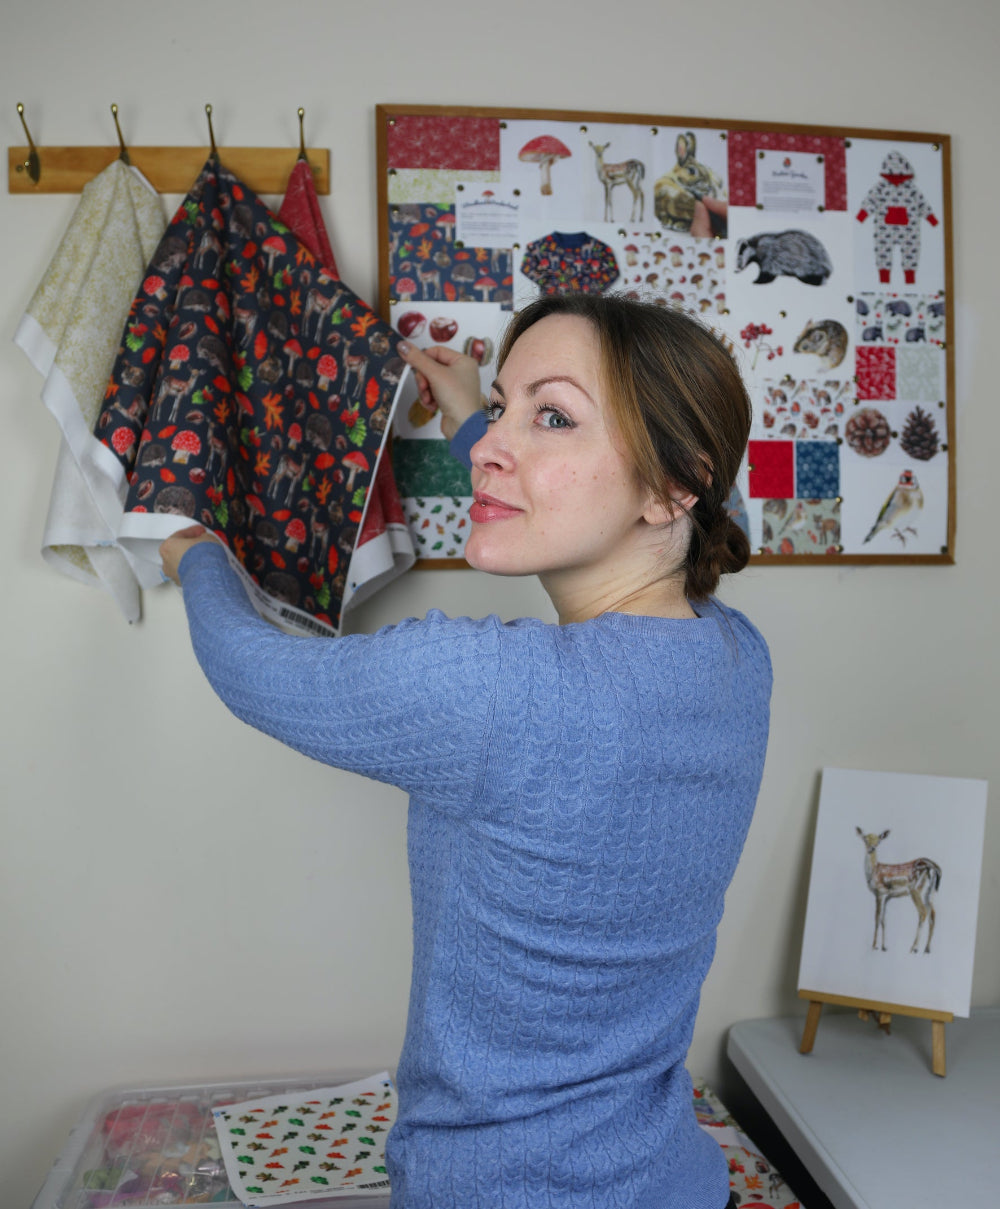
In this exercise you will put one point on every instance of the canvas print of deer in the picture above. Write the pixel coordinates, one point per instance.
(894, 888)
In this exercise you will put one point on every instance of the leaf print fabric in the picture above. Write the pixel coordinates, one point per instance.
(324, 1143)
(251, 394)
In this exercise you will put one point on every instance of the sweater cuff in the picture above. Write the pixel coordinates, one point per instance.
(472, 430)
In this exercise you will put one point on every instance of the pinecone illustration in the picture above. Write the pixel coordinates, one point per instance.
(867, 432)
(919, 438)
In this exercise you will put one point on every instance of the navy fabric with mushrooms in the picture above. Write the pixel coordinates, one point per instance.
(252, 394)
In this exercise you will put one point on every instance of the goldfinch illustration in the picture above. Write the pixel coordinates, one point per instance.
(904, 497)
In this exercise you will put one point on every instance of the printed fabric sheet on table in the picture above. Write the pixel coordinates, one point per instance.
(252, 394)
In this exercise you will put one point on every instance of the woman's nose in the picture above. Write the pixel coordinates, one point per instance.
(492, 451)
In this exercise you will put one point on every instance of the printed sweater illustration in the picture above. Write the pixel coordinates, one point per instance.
(561, 263)
(577, 809)
(896, 206)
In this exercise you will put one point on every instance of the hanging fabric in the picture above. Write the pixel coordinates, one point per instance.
(385, 548)
(70, 333)
(253, 394)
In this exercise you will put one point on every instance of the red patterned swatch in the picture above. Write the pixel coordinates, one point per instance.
(463, 143)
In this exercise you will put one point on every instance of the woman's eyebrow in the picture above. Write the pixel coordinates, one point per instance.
(534, 387)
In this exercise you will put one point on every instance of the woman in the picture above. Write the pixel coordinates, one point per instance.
(580, 792)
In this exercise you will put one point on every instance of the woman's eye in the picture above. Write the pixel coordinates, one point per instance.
(550, 418)
(492, 411)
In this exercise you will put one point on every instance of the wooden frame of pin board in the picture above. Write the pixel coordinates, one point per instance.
(827, 270)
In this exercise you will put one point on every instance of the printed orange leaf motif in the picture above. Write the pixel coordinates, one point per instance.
(221, 412)
(262, 466)
(295, 301)
(249, 282)
(371, 393)
(480, 253)
(278, 561)
(362, 323)
(160, 334)
(450, 292)
(111, 391)
(260, 346)
(273, 411)
(211, 324)
(322, 494)
(424, 249)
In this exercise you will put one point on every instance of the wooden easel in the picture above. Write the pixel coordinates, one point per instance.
(882, 1014)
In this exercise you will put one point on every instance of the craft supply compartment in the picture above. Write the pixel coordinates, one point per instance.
(158, 1146)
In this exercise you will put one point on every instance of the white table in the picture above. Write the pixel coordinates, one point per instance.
(875, 1128)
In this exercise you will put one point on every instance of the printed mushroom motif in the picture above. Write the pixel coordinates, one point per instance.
(122, 440)
(485, 284)
(327, 368)
(406, 287)
(178, 355)
(295, 534)
(447, 223)
(354, 462)
(184, 444)
(293, 351)
(544, 151)
(154, 285)
(275, 246)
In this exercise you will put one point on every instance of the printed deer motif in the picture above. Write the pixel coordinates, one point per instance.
(628, 172)
(919, 879)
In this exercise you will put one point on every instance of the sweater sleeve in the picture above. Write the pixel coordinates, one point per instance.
(472, 430)
(401, 705)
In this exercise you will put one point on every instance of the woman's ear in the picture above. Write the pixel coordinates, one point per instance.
(665, 512)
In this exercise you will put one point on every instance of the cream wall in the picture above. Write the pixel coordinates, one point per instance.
(184, 900)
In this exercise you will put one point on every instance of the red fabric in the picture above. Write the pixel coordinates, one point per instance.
(896, 216)
(300, 212)
(772, 470)
(416, 141)
(875, 371)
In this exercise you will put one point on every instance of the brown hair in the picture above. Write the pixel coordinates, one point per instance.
(682, 409)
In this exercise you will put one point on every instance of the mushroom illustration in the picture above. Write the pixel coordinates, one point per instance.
(295, 533)
(294, 436)
(406, 287)
(122, 440)
(676, 256)
(275, 246)
(185, 444)
(631, 253)
(293, 350)
(485, 284)
(178, 355)
(447, 223)
(154, 285)
(327, 368)
(354, 462)
(544, 151)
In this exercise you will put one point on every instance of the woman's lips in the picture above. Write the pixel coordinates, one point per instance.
(485, 508)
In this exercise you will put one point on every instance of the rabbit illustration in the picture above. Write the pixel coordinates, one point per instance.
(827, 339)
(688, 181)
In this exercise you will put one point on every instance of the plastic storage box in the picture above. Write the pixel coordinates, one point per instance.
(158, 1146)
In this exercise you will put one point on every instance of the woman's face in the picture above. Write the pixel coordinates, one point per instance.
(555, 494)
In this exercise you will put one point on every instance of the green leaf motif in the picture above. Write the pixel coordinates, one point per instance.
(358, 432)
(245, 378)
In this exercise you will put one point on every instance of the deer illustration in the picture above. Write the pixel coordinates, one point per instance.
(919, 879)
(628, 172)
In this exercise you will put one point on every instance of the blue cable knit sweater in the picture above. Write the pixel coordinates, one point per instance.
(579, 796)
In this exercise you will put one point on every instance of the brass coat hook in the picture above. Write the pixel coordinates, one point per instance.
(211, 133)
(302, 135)
(121, 141)
(32, 165)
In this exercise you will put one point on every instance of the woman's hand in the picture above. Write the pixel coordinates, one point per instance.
(448, 383)
(177, 545)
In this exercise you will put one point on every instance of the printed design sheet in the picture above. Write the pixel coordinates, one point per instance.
(819, 259)
(308, 1146)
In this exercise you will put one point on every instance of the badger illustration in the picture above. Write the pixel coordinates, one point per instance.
(785, 254)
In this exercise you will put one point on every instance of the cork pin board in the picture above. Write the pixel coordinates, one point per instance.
(821, 256)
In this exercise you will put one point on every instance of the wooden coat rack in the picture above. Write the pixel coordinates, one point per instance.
(32, 169)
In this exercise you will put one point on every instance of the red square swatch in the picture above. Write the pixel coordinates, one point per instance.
(743, 147)
(772, 470)
(464, 143)
(875, 370)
